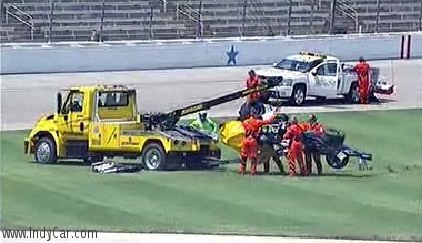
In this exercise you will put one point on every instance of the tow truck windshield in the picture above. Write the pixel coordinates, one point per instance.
(295, 65)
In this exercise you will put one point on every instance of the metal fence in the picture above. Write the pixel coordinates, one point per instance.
(172, 19)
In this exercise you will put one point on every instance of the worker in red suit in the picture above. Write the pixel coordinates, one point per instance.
(249, 149)
(362, 69)
(295, 154)
(310, 152)
(253, 82)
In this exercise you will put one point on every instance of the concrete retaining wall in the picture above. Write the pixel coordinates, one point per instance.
(119, 56)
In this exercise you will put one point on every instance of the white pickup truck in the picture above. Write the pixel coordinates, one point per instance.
(311, 74)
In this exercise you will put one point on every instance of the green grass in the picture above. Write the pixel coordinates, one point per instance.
(384, 203)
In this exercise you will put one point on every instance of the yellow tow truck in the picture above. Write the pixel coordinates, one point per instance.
(103, 120)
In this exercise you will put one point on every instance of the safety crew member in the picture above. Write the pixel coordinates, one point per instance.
(249, 149)
(267, 151)
(310, 152)
(295, 154)
(362, 69)
(251, 83)
(204, 124)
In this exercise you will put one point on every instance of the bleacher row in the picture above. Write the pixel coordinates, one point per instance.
(173, 19)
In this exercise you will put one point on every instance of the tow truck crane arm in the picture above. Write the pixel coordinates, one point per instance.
(166, 121)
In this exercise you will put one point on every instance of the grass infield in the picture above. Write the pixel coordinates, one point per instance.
(385, 203)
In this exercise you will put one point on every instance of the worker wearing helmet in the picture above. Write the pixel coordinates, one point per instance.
(204, 124)
(362, 69)
(249, 149)
(251, 83)
(295, 155)
(311, 153)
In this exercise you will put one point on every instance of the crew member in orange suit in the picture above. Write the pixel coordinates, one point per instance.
(362, 69)
(315, 127)
(249, 149)
(253, 82)
(295, 154)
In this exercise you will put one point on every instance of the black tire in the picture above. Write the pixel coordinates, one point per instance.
(153, 157)
(45, 151)
(245, 109)
(332, 137)
(353, 96)
(334, 161)
(298, 96)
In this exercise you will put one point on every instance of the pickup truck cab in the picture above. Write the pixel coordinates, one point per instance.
(311, 74)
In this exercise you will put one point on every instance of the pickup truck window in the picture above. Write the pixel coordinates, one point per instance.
(328, 69)
(294, 65)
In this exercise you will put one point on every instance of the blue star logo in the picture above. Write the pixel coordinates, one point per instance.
(232, 56)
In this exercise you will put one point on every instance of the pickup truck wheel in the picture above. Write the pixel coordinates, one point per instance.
(353, 96)
(298, 95)
(45, 151)
(154, 157)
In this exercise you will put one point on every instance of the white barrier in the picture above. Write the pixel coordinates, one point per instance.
(119, 56)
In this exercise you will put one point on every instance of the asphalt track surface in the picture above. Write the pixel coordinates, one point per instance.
(25, 97)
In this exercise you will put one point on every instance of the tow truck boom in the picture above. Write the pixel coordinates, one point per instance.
(166, 121)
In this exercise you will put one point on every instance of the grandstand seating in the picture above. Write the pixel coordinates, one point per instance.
(144, 19)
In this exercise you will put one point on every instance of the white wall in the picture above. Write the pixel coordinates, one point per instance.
(116, 56)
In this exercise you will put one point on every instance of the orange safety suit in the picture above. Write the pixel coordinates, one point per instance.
(317, 129)
(294, 133)
(250, 147)
(253, 82)
(362, 69)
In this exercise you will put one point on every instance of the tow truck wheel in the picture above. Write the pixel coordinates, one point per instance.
(154, 157)
(298, 97)
(45, 151)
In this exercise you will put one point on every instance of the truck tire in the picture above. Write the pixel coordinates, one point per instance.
(333, 137)
(335, 162)
(154, 157)
(45, 151)
(353, 96)
(298, 96)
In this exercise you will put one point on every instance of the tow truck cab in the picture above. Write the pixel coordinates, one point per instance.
(96, 121)
(310, 74)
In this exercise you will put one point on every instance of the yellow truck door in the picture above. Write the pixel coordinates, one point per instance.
(77, 118)
(104, 136)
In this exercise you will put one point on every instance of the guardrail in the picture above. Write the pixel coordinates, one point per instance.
(138, 55)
